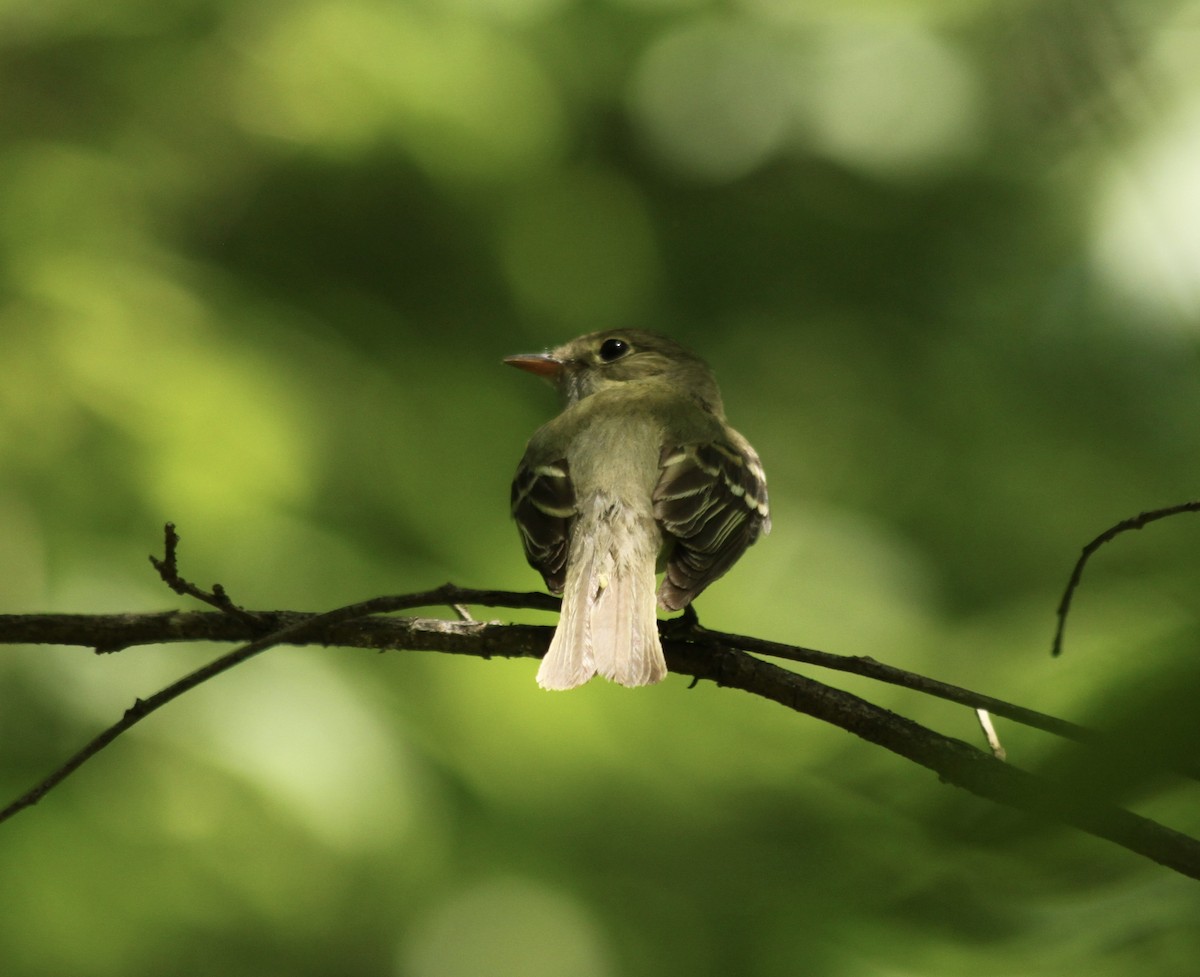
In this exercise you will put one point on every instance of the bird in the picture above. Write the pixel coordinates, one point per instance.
(640, 473)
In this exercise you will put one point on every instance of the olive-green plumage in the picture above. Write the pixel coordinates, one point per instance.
(639, 467)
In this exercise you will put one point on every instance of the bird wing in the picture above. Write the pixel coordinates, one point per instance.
(543, 504)
(711, 501)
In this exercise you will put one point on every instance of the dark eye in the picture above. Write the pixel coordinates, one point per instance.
(613, 349)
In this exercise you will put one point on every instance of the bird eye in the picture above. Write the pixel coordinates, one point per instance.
(613, 349)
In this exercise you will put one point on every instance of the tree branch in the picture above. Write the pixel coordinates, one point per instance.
(274, 628)
(702, 654)
(109, 633)
(954, 761)
(1112, 532)
(690, 649)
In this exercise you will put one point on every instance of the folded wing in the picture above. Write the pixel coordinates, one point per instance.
(543, 504)
(711, 502)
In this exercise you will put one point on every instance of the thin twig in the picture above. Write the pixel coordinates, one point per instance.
(1134, 522)
(954, 761)
(168, 569)
(869, 667)
(305, 627)
(142, 708)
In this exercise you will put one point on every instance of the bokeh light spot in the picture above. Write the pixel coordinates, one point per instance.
(1147, 243)
(712, 99)
(892, 101)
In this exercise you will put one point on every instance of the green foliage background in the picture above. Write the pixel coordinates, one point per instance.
(259, 262)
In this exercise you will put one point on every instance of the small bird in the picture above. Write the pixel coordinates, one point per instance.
(639, 473)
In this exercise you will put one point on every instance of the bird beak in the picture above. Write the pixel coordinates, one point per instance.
(540, 364)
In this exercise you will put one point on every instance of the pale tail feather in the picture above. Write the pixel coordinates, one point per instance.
(625, 630)
(569, 662)
(608, 625)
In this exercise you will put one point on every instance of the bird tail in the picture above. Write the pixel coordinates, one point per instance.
(608, 625)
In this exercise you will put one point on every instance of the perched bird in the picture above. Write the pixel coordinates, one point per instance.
(639, 472)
